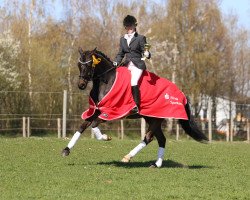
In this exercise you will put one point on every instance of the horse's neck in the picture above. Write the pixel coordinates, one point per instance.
(102, 85)
(105, 87)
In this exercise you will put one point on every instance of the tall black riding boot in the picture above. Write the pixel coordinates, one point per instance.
(136, 96)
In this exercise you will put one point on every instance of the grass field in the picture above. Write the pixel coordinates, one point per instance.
(34, 169)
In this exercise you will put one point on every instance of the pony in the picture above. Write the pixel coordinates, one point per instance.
(95, 66)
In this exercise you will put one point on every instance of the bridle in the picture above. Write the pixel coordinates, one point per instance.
(95, 62)
(83, 77)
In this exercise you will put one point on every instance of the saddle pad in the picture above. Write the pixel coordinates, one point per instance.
(159, 98)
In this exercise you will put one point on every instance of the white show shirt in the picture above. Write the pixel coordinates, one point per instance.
(129, 37)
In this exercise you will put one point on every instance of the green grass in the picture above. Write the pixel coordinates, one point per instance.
(34, 169)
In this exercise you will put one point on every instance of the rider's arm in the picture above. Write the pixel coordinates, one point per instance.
(120, 55)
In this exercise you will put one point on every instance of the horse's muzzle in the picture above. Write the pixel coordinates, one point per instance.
(82, 84)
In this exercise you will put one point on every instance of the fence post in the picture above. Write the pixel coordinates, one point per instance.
(28, 126)
(59, 127)
(122, 129)
(231, 129)
(227, 132)
(210, 120)
(92, 133)
(64, 113)
(248, 131)
(177, 131)
(143, 128)
(24, 127)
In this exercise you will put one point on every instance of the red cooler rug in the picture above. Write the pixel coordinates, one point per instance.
(159, 98)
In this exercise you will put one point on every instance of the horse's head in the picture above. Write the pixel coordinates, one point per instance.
(92, 64)
(86, 65)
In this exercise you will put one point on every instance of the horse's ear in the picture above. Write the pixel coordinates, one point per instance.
(94, 50)
(80, 51)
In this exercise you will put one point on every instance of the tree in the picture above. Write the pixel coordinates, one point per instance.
(9, 51)
(196, 31)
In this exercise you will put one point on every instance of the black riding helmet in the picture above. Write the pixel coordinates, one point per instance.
(129, 21)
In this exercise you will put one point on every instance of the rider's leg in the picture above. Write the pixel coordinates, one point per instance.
(135, 76)
(136, 95)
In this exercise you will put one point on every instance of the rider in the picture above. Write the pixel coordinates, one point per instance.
(132, 47)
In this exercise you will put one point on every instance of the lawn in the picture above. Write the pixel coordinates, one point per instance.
(32, 168)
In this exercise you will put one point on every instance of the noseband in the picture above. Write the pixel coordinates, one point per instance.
(84, 63)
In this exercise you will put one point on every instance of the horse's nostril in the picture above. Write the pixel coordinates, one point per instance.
(82, 84)
(81, 87)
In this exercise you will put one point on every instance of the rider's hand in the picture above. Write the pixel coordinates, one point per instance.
(115, 63)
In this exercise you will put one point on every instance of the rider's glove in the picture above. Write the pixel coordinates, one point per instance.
(146, 54)
(115, 63)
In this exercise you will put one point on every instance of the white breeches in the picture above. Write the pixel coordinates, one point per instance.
(135, 73)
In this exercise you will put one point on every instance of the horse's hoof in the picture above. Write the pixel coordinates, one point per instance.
(65, 151)
(109, 138)
(153, 165)
(126, 159)
(106, 137)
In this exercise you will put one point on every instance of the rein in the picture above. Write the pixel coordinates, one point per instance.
(100, 75)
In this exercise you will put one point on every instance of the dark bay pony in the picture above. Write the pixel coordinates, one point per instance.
(97, 67)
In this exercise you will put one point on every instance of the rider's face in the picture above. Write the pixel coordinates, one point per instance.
(130, 29)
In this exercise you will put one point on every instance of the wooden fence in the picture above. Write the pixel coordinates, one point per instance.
(120, 128)
(62, 124)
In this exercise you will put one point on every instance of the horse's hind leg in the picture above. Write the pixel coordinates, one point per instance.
(147, 139)
(161, 150)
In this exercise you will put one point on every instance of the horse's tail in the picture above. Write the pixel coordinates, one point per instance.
(190, 126)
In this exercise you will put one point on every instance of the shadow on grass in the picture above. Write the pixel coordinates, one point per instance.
(165, 164)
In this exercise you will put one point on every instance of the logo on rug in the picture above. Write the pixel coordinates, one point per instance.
(166, 96)
(172, 100)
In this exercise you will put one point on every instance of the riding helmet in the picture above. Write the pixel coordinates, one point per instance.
(129, 21)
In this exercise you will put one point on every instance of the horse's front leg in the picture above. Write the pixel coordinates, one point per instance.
(147, 139)
(97, 131)
(76, 136)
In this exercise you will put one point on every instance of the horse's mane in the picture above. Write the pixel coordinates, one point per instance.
(104, 56)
